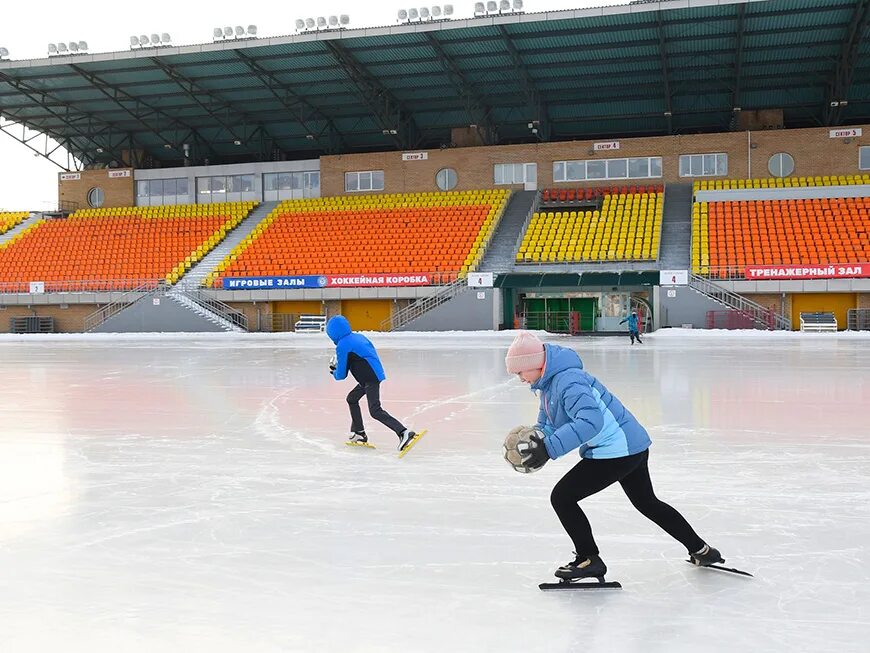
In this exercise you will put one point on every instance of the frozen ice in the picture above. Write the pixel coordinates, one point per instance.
(169, 493)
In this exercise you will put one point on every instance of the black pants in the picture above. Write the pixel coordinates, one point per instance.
(633, 335)
(590, 476)
(372, 391)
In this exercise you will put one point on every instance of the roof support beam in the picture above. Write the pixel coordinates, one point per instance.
(44, 152)
(475, 106)
(838, 90)
(663, 56)
(536, 107)
(394, 119)
(295, 102)
(738, 55)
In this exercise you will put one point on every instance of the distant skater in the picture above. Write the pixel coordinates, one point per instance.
(633, 332)
(356, 354)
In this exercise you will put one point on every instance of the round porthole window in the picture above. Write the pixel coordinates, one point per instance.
(446, 179)
(781, 164)
(96, 197)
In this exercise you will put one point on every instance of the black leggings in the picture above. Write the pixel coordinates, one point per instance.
(590, 476)
(372, 391)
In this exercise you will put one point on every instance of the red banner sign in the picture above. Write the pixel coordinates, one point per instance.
(357, 280)
(831, 271)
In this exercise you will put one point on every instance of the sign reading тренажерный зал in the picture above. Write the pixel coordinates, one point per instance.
(325, 281)
(830, 271)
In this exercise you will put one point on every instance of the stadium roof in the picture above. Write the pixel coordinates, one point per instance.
(640, 69)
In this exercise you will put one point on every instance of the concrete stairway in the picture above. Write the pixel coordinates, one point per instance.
(502, 250)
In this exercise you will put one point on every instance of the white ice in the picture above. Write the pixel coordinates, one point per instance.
(168, 494)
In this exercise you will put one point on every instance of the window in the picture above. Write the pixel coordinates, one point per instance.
(703, 165)
(169, 187)
(446, 179)
(155, 188)
(781, 164)
(96, 197)
(509, 173)
(364, 181)
(141, 189)
(595, 169)
(181, 186)
(864, 158)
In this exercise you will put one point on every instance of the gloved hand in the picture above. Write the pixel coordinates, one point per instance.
(537, 455)
(333, 363)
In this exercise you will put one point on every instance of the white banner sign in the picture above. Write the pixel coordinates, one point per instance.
(845, 133)
(415, 156)
(609, 145)
(70, 176)
(674, 278)
(480, 279)
(37, 287)
(114, 174)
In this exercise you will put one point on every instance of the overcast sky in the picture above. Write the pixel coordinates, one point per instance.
(29, 182)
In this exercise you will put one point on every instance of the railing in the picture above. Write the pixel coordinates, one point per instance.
(129, 298)
(551, 321)
(219, 308)
(536, 204)
(414, 310)
(761, 315)
(83, 285)
(858, 319)
(729, 319)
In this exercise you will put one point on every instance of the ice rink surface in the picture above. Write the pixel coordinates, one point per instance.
(195, 494)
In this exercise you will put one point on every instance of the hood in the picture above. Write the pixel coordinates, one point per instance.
(337, 328)
(559, 359)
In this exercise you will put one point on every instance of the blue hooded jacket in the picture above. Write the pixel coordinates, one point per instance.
(577, 411)
(632, 322)
(349, 347)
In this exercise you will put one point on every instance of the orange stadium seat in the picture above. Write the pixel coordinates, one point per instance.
(444, 234)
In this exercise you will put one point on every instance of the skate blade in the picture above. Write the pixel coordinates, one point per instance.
(730, 570)
(364, 445)
(412, 442)
(582, 584)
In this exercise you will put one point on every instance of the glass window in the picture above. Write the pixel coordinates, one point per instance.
(203, 187)
(351, 181)
(311, 180)
(270, 181)
(218, 184)
(446, 179)
(96, 197)
(558, 171)
(864, 158)
(247, 183)
(703, 165)
(378, 180)
(781, 164)
(617, 169)
(141, 189)
(575, 170)
(169, 186)
(155, 188)
(498, 174)
(181, 187)
(655, 166)
(638, 168)
(519, 173)
(596, 170)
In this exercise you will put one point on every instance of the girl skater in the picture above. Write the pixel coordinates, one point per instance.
(356, 354)
(578, 412)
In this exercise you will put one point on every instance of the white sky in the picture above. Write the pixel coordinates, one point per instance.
(28, 181)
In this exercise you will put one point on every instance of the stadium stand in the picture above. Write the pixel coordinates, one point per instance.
(626, 228)
(10, 220)
(123, 246)
(443, 233)
(567, 195)
(780, 182)
(730, 235)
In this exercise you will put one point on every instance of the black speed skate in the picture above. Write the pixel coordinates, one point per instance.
(706, 557)
(574, 573)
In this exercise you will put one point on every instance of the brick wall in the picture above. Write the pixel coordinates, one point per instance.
(812, 149)
(118, 190)
(864, 300)
(775, 301)
(66, 320)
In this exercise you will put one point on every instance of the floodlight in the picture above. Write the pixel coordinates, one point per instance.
(333, 21)
(300, 24)
(518, 5)
(237, 142)
(73, 46)
(492, 5)
(52, 48)
(143, 39)
(165, 37)
(448, 10)
(155, 39)
(309, 23)
(344, 19)
(240, 31)
(413, 14)
(436, 12)
(403, 14)
(479, 8)
(217, 32)
(61, 47)
(504, 5)
(252, 30)
(228, 32)
(134, 41)
(321, 22)
(4, 52)
(424, 13)
(83, 45)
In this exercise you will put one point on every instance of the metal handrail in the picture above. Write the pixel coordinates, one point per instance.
(221, 309)
(95, 319)
(858, 319)
(82, 285)
(761, 315)
(416, 309)
(536, 204)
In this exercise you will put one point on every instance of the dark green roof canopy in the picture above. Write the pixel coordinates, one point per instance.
(641, 69)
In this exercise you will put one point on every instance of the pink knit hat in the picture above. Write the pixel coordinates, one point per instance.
(525, 354)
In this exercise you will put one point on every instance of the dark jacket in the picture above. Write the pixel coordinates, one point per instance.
(354, 353)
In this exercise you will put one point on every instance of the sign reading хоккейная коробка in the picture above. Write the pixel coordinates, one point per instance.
(325, 281)
(835, 271)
